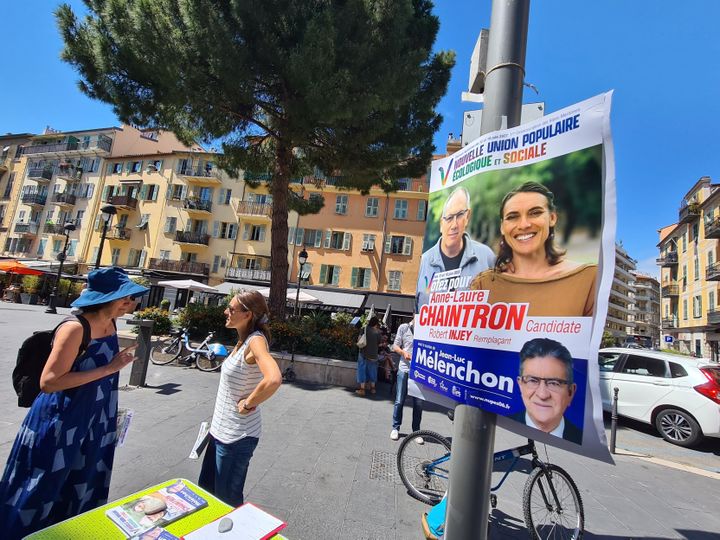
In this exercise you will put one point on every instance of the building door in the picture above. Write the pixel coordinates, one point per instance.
(698, 348)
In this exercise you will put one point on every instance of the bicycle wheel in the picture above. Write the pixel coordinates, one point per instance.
(425, 469)
(165, 352)
(208, 361)
(552, 505)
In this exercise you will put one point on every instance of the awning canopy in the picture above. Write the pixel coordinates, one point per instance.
(303, 297)
(228, 286)
(401, 304)
(188, 284)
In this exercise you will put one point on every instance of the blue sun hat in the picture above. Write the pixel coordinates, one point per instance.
(106, 285)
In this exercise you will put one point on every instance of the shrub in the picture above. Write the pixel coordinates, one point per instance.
(165, 304)
(78, 287)
(163, 323)
(64, 287)
(317, 335)
(141, 280)
(31, 284)
(201, 319)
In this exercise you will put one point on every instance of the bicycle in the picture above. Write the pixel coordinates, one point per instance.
(552, 506)
(206, 357)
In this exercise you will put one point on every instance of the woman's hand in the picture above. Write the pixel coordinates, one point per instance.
(123, 358)
(243, 408)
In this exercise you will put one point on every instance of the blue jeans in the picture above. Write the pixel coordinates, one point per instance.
(402, 391)
(367, 370)
(225, 467)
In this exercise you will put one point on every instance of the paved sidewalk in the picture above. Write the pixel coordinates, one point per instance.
(314, 465)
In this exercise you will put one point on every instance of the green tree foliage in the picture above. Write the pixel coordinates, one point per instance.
(290, 87)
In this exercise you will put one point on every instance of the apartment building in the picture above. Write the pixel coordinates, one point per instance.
(690, 273)
(63, 174)
(645, 311)
(11, 171)
(619, 321)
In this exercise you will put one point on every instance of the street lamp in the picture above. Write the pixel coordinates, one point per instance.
(302, 259)
(68, 228)
(108, 212)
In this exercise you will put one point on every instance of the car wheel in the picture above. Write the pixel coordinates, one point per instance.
(678, 427)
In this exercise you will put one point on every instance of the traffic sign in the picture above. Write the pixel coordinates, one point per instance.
(668, 339)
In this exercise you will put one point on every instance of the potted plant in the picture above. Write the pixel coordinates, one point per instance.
(31, 286)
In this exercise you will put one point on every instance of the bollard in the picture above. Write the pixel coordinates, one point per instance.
(140, 366)
(613, 421)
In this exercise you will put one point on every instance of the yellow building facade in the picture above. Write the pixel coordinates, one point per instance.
(690, 273)
(12, 170)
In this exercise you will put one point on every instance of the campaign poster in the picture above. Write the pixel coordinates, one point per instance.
(515, 276)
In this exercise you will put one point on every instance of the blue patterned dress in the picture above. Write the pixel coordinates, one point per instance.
(61, 461)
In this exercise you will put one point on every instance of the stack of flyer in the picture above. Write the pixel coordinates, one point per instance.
(172, 502)
(247, 522)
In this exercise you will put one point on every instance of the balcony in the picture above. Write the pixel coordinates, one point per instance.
(119, 233)
(713, 317)
(188, 237)
(182, 267)
(69, 173)
(689, 212)
(97, 145)
(123, 201)
(248, 274)
(194, 205)
(40, 174)
(34, 199)
(64, 199)
(669, 259)
(26, 228)
(199, 174)
(248, 208)
(670, 289)
(670, 323)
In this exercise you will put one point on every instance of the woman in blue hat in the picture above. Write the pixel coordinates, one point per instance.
(62, 458)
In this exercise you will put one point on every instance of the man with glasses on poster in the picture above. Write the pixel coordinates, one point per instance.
(547, 388)
(455, 249)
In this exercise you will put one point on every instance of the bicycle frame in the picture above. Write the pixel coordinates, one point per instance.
(202, 348)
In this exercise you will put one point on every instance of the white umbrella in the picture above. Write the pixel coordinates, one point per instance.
(371, 314)
(304, 297)
(188, 284)
(386, 317)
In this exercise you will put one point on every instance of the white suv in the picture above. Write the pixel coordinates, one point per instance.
(679, 395)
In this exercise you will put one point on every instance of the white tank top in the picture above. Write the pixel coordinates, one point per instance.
(237, 381)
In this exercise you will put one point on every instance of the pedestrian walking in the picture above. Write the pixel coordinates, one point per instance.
(403, 345)
(367, 364)
(248, 377)
(62, 458)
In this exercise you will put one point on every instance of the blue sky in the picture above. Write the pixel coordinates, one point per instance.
(660, 57)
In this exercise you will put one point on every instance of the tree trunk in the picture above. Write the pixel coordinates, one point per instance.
(279, 232)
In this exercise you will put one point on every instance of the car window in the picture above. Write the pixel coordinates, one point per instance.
(642, 365)
(676, 370)
(607, 361)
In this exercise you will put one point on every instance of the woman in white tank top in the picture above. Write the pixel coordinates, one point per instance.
(248, 377)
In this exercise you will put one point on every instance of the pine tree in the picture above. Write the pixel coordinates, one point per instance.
(289, 87)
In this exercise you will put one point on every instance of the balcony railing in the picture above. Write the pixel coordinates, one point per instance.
(119, 233)
(26, 228)
(712, 228)
(670, 323)
(209, 173)
(712, 272)
(64, 198)
(40, 174)
(184, 267)
(198, 205)
(670, 289)
(38, 199)
(689, 212)
(713, 317)
(248, 273)
(669, 259)
(123, 201)
(99, 143)
(247, 208)
(187, 237)
(70, 173)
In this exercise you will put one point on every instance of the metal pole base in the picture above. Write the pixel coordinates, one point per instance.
(51, 305)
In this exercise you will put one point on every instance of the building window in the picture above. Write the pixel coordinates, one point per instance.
(224, 196)
(401, 208)
(695, 231)
(329, 274)
(41, 246)
(164, 254)
(337, 240)
(308, 237)
(134, 257)
(394, 279)
(216, 264)
(170, 225)
(9, 186)
(684, 242)
(368, 243)
(697, 307)
(254, 233)
(360, 278)
(422, 210)
(176, 192)
(135, 166)
(149, 192)
(711, 301)
(115, 256)
(116, 168)
(400, 245)
(57, 246)
(371, 208)
(341, 204)
(685, 311)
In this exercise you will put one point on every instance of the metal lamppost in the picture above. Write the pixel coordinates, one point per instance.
(302, 259)
(68, 228)
(108, 212)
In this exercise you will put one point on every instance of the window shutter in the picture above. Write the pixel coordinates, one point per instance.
(318, 238)
(233, 231)
(216, 229)
(143, 254)
(262, 234)
(154, 188)
(387, 244)
(353, 277)
(323, 273)
(96, 226)
(168, 194)
(407, 246)
(106, 193)
(183, 193)
(366, 279)
(291, 236)
(336, 275)
(299, 236)
(221, 196)
(246, 231)
(144, 192)
(328, 236)
(346, 241)
(109, 168)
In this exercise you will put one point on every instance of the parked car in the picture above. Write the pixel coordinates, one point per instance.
(678, 395)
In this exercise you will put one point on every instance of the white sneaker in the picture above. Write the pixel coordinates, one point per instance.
(394, 435)
(419, 440)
